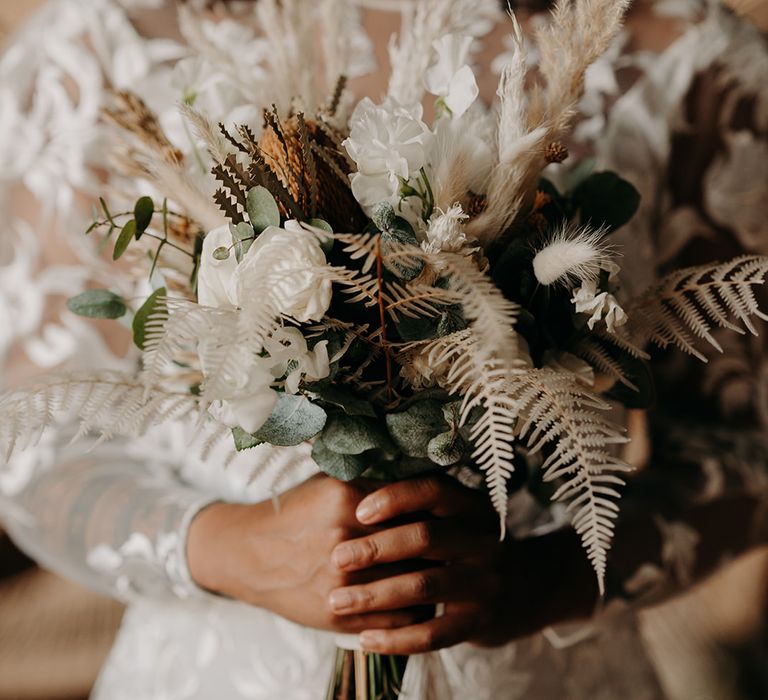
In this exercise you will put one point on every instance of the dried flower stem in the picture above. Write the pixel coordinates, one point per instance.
(383, 317)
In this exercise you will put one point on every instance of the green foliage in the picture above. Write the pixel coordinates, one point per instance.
(98, 303)
(343, 467)
(353, 435)
(343, 398)
(413, 428)
(606, 200)
(143, 314)
(446, 449)
(244, 440)
(384, 216)
(127, 234)
(243, 237)
(295, 419)
(262, 209)
(142, 214)
(327, 243)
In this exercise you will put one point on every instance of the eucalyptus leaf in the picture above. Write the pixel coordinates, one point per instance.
(384, 216)
(343, 467)
(242, 238)
(98, 303)
(344, 399)
(244, 440)
(262, 209)
(446, 449)
(295, 419)
(353, 435)
(142, 213)
(325, 243)
(413, 428)
(143, 314)
(127, 234)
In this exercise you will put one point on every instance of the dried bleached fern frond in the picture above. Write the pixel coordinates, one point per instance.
(554, 408)
(491, 314)
(464, 368)
(109, 403)
(599, 350)
(689, 303)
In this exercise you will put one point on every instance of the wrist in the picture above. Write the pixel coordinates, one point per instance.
(211, 535)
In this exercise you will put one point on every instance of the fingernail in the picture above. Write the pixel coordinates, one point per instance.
(367, 510)
(370, 641)
(341, 600)
(343, 556)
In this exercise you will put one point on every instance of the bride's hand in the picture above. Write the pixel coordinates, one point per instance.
(281, 559)
(493, 591)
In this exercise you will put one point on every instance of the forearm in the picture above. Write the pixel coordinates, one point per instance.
(105, 520)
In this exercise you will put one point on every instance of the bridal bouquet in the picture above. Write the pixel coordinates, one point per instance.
(408, 296)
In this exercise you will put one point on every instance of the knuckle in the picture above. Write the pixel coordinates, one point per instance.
(428, 639)
(424, 587)
(430, 486)
(339, 534)
(370, 550)
(423, 535)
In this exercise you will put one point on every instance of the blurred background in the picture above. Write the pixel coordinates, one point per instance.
(710, 644)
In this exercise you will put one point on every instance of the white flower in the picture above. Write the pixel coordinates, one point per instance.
(289, 354)
(603, 305)
(388, 143)
(215, 278)
(249, 406)
(451, 78)
(446, 231)
(288, 259)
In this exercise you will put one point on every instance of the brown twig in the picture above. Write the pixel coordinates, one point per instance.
(383, 317)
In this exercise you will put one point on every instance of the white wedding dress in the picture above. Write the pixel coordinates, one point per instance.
(115, 518)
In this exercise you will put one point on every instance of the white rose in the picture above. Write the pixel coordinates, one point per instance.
(288, 260)
(215, 278)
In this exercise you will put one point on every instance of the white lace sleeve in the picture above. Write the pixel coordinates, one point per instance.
(114, 523)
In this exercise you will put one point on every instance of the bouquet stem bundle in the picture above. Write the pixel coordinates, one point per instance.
(359, 675)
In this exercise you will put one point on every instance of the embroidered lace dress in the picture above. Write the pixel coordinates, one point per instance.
(115, 517)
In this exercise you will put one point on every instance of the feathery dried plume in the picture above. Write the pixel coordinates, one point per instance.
(573, 255)
(217, 146)
(578, 33)
(289, 27)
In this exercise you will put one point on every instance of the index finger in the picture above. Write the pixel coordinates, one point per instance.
(440, 496)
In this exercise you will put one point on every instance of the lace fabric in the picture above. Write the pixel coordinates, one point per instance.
(115, 517)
